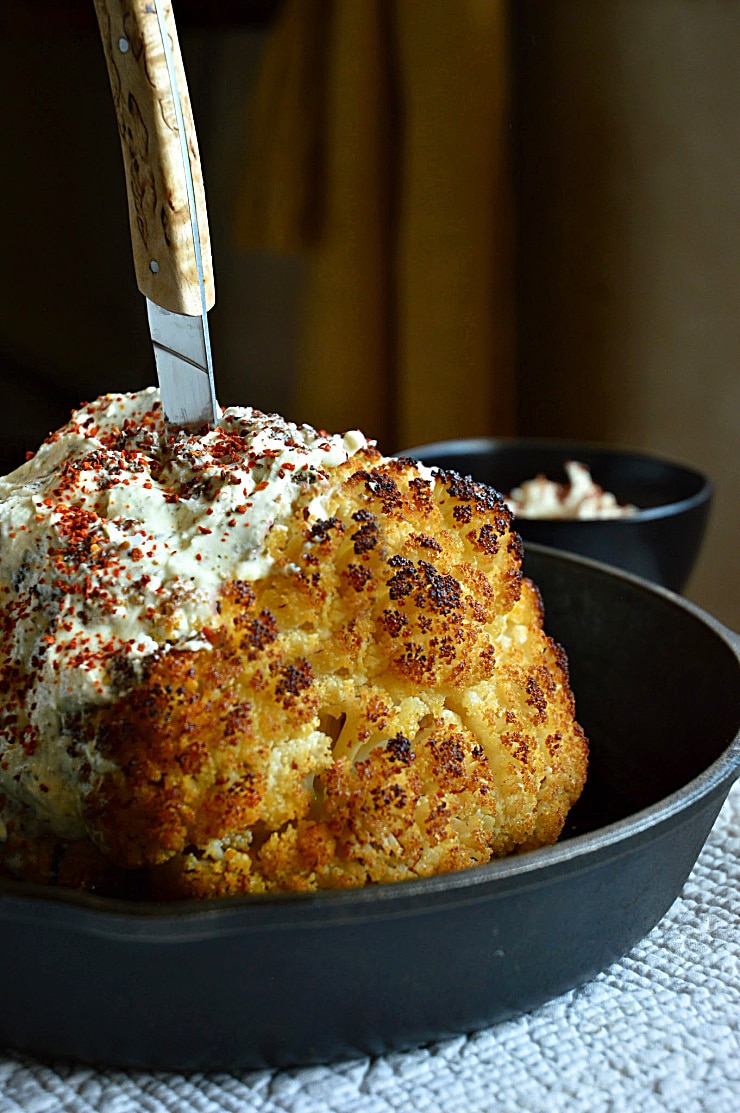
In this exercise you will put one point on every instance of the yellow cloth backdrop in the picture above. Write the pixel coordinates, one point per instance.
(380, 148)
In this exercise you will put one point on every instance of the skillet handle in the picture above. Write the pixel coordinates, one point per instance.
(133, 34)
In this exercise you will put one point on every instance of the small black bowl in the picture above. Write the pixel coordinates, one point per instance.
(660, 542)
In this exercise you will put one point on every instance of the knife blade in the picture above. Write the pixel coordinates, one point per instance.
(166, 201)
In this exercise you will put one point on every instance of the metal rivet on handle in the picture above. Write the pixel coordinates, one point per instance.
(123, 45)
(154, 266)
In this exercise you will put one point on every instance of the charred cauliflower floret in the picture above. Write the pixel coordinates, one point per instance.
(374, 699)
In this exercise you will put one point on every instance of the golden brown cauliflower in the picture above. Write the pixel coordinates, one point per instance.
(382, 704)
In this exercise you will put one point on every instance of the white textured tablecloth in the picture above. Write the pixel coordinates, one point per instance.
(658, 1031)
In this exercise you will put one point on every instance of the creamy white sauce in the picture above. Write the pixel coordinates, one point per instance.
(581, 497)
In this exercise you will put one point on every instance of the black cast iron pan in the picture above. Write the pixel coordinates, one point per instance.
(297, 979)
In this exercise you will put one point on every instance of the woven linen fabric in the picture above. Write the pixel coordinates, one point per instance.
(657, 1032)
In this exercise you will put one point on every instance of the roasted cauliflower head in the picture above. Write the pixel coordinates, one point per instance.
(370, 697)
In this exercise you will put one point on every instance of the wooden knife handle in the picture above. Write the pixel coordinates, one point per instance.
(162, 232)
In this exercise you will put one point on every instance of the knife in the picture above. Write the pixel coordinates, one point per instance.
(166, 201)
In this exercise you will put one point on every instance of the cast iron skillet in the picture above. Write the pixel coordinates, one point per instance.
(298, 979)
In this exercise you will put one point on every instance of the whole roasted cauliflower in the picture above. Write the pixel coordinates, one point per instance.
(266, 659)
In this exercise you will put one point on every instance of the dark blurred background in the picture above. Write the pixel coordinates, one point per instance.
(610, 246)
